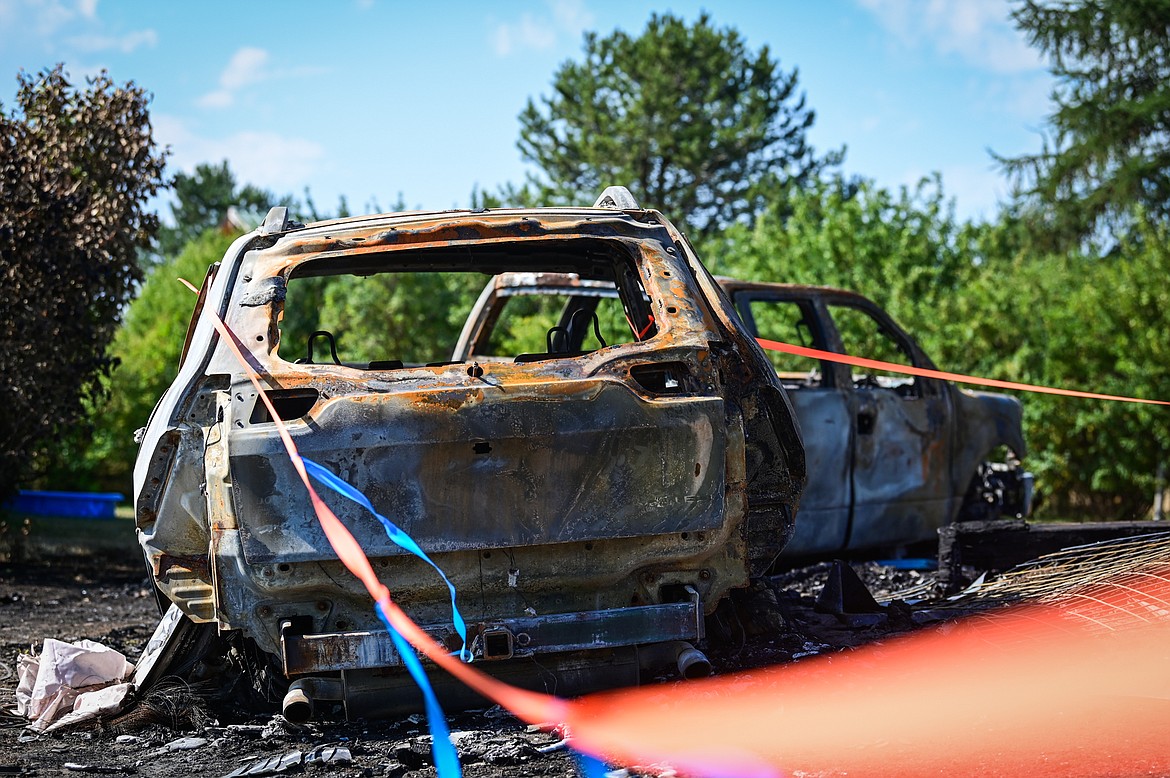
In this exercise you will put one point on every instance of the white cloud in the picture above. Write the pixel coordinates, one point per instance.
(980, 32)
(67, 26)
(563, 17)
(527, 33)
(40, 18)
(572, 17)
(249, 65)
(266, 159)
(220, 98)
(124, 43)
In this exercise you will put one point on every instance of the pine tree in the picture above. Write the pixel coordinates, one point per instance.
(1110, 144)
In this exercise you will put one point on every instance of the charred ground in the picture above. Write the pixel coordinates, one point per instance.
(106, 597)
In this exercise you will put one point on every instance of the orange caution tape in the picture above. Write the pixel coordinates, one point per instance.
(893, 367)
(1077, 689)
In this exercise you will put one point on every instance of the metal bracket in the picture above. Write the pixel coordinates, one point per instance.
(618, 198)
(276, 220)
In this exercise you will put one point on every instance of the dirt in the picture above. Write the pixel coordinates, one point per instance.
(105, 597)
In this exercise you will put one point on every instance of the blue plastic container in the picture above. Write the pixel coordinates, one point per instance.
(911, 563)
(82, 505)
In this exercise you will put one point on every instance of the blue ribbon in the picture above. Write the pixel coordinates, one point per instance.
(590, 766)
(404, 541)
(446, 758)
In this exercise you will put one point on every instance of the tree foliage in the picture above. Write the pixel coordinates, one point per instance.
(687, 116)
(414, 317)
(981, 301)
(1097, 325)
(202, 200)
(147, 349)
(1110, 145)
(76, 169)
(904, 249)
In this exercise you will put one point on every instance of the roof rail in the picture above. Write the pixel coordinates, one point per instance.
(278, 221)
(617, 197)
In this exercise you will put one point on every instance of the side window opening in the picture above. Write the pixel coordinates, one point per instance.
(863, 335)
(360, 313)
(790, 321)
(533, 323)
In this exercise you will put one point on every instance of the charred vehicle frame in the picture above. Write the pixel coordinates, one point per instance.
(590, 505)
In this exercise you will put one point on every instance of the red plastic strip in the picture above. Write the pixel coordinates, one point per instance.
(873, 364)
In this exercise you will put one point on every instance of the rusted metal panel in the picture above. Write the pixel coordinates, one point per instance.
(485, 468)
(901, 473)
(392, 693)
(822, 523)
(889, 461)
(305, 654)
(524, 637)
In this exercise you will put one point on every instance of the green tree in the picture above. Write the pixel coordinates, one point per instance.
(1110, 144)
(146, 349)
(77, 167)
(691, 120)
(905, 249)
(202, 200)
(981, 300)
(1098, 326)
(414, 317)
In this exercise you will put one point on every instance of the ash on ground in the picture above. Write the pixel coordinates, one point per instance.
(187, 731)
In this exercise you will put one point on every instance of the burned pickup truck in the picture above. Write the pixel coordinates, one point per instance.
(890, 457)
(589, 503)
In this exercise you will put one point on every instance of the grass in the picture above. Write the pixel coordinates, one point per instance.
(48, 536)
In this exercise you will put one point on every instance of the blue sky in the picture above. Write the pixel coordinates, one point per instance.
(371, 98)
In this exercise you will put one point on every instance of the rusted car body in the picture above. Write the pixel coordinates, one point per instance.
(587, 503)
(890, 458)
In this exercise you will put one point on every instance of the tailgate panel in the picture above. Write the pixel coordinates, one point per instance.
(589, 460)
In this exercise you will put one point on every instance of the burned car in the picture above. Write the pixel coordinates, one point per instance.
(589, 502)
(890, 457)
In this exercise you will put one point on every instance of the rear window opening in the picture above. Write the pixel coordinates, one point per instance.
(406, 309)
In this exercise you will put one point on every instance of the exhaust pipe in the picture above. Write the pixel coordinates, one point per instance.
(298, 705)
(692, 663)
(299, 700)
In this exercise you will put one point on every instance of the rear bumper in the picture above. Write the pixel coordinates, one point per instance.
(503, 639)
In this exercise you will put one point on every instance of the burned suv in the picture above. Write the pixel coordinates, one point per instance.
(589, 504)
